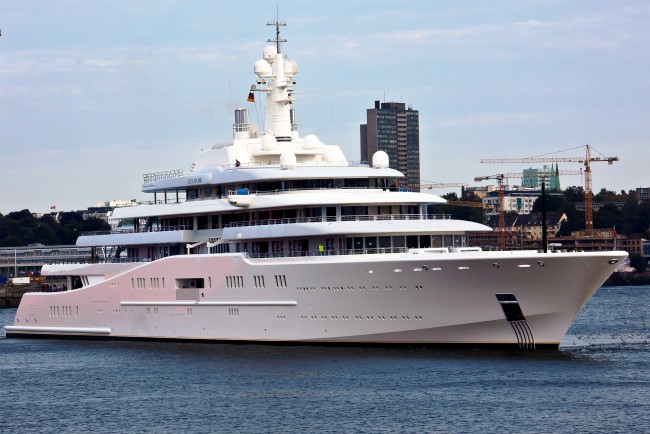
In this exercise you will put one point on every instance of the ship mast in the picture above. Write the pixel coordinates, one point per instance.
(277, 23)
(280, 87)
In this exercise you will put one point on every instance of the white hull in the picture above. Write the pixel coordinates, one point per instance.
(415, 298)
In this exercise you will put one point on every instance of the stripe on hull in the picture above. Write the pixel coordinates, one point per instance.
(319, 343)
(57, 330)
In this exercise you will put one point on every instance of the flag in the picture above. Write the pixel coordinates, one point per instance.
(251, 97)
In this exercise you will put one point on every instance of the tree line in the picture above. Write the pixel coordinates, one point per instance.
(21, 228)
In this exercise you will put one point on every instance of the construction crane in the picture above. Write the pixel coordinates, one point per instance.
(502, 225)
(586, 160)
(468, 203)
(519, 175)
(429, 185)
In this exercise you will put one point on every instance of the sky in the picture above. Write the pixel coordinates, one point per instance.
(94, 94)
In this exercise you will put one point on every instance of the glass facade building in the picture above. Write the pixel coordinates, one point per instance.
(395, 129)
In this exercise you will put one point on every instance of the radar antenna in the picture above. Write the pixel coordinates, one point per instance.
(277, 23)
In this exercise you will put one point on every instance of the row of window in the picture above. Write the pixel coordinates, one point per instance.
(360, 317)
(352, 245)
(219, 191)
(217, 221)
(352, 288)
(280, 281)
(64, 311)
(258, 281)
(234, 282)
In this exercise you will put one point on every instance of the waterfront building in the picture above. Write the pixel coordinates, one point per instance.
(26, 260)
(478, 191)
(596, 206)
(393, 128)
(519, 201)
(522, 230)
(104, 210)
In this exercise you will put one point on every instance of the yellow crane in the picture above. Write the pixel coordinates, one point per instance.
(468, 203)
(502, 226)
(518, 175)
(586, 160)
(429, 185)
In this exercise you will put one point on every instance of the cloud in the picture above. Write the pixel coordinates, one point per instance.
(484, 119)
(593, 31)
(438, 35)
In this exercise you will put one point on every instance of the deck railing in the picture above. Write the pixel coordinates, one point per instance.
(285, 254)
(281, 221)
(97, 261)
(346, 218)
(333, 252)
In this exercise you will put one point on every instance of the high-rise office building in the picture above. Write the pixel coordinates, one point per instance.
(394, 129)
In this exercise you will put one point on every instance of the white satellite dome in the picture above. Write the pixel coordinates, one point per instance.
(262, 68)
(268, 142)
(269, 53)
(288, 161)
(380, 160)
(290, 67)
(311, 141)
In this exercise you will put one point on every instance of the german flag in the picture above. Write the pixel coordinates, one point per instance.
(251, 97)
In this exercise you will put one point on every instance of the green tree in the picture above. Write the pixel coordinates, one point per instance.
(450, 196)
(20, 215)
(22, 228)
(94, 224)
(575, 194)
(608, 216)
(554, 202)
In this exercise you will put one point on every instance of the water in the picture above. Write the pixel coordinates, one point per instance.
(599, 381)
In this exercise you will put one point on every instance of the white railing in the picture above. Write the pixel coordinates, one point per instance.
(348, 218)
(337, 252)
(167, 174)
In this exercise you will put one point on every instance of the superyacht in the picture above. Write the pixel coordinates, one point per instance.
(272, 237)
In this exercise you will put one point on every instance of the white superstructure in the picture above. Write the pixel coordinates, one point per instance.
(274, 237)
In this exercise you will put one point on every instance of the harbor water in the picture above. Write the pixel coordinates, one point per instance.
(599, 381)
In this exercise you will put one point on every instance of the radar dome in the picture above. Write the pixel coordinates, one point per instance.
(380, 160)
(269, 53)
(311, 142)
(288, 161)
(262, 68)
(268, 142)
(290, 67)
